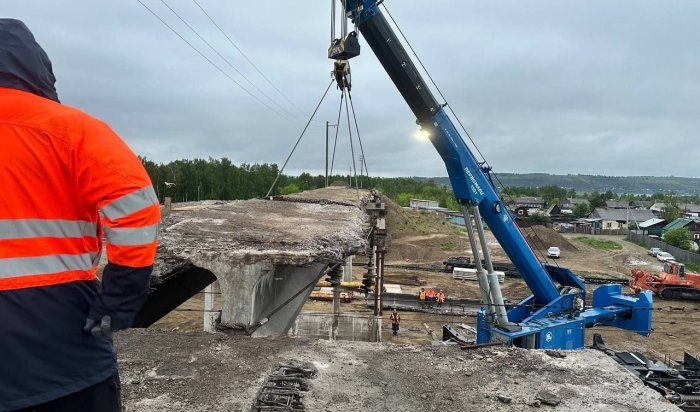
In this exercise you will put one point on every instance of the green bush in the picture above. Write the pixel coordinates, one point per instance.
(693, 267)
(679, 237)
(289, 189)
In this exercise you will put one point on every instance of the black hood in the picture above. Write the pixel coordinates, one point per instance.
(23, 63)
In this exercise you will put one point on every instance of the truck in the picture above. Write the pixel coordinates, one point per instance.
(555, 315)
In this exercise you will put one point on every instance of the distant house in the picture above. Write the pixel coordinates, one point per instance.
(423, 204)
(693, 227)
(653, 226)
(617, 204)
(657, 208)
(529, 202)
(613, 219)
(690, 210)
(641, 204)
(525, 211)
(553, 210)
(569, 204)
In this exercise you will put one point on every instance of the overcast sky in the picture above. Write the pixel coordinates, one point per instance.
(593, 87)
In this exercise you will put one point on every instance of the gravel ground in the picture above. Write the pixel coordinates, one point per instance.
(215, 372)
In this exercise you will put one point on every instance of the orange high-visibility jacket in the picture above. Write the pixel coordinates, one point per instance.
(421, 295)
(440, 297)
(60, 190)
(431, 293)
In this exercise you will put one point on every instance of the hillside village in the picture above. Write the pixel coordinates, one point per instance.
(615, 218)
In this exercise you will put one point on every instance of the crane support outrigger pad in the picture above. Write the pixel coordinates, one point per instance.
(555, 315)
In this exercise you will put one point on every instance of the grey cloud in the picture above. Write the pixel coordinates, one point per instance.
(562, 87)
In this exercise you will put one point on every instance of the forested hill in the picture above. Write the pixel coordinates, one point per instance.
(587, 183)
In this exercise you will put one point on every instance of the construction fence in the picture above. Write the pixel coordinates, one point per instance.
(649, 242)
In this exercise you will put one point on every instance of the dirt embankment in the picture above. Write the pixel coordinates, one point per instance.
(422, 236)
(542, 238)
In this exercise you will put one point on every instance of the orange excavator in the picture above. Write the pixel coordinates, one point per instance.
(672, 283)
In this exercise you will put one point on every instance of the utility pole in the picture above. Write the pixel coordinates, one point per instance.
(327, 125)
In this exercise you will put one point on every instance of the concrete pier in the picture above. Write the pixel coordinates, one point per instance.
(267, 255)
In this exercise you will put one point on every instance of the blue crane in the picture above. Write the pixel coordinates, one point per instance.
(556, 314)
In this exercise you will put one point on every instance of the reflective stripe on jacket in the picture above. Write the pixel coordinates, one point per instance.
(60, 190)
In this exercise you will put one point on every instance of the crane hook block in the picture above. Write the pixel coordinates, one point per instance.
(341, 73)
(344, 49)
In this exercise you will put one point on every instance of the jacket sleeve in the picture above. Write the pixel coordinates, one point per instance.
(113, 181)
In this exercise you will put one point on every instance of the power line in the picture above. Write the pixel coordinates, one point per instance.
(220, 55)
(207, 58)
(246, 57)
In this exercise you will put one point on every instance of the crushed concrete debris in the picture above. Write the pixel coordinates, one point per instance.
(194, 376)
(548, 398)
(555, 353)
(504, 399)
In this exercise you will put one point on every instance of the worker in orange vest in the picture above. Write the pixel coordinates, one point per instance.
(67, 181)
(395, 319)
(431, 295)
(421, 296)
(440, 297)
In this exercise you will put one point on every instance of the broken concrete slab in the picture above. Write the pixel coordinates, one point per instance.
(279, 232)
(205, 372)
(333, 194)
(266, 254)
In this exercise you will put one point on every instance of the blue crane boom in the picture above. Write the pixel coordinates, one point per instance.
(554, 316)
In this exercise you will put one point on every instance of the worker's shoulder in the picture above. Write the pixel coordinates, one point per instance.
(56, 119)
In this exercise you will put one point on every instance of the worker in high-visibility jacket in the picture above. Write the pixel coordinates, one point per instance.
(440, 298)
(421, 296)
(395, 319)
(431, 295)
(67, 180)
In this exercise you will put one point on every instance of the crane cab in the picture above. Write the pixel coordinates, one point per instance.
(675, 268)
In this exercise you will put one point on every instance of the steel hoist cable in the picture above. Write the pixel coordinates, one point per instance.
(337, 129)
(359, 138)
(279, 173)
(352, 146)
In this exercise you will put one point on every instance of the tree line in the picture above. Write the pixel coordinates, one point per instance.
(221, 179)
